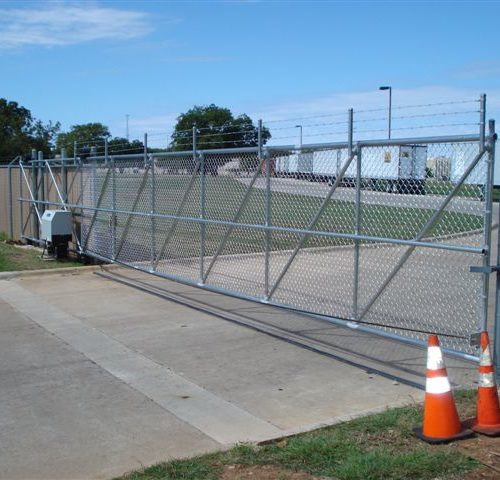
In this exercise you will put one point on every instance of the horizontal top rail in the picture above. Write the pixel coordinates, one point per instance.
(381, 143)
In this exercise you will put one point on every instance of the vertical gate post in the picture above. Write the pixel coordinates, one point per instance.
(41, 171)
(114, 219)
(357, 209)
(264, 156)
(106, 152)
(34, 189)
(21, 203)
(488, 206)
(203, 214)
(482, 120)
(202, 167)
(64, 176)
(496, 329)
(11, 212)
(81, 196)
(357, 231)
(151, 161)
(95, 198)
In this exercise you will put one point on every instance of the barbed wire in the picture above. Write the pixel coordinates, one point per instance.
(310, 125)
(180, 144)
(421, 105)
(416, 127)
(423, 115)
(326, 115)
(321, 134)
(227, 131)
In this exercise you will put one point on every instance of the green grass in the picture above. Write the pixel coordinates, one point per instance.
(376, 447)
(13, 258)
(441, 187)
(225, 194)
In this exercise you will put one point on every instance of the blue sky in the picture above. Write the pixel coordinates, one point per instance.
(78, 62)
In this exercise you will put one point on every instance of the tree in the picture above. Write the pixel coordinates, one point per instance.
(217, 128)
(86, 135)
(20, 132)
(122, 146)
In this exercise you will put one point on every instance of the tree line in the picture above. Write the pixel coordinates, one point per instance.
(216, 128)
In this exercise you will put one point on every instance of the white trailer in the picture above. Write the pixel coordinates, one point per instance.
(288, 165)
(393, 169)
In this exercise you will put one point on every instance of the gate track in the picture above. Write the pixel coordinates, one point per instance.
(401, 374)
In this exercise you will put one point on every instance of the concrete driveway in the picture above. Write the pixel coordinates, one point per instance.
(97, 378)
(320, 189)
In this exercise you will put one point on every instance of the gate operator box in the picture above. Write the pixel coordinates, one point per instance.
(57, 231)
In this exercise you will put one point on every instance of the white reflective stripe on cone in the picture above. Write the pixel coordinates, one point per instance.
(485, 359)
(434, 358)
(486, 380)
(437, 385)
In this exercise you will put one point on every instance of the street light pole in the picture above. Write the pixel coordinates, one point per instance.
(300, 142)
(390, 106)
(127, 116)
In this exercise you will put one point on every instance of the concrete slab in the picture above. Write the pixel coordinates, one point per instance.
(98, 378)
(369, 352)
(64, 417)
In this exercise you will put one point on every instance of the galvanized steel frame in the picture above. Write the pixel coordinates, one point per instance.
(264, 154)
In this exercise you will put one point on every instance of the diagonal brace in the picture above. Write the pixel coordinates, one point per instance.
(64, 203)
(94, 215)
(428, 225)
(235, 219)
(134, 206)
(180, 208)
(312, 223)
(54, 181)
(31, 193)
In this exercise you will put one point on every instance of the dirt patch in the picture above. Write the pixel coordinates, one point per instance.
(264, 472)
(485, 450)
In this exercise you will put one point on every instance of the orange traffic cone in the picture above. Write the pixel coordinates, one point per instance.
(487, 419)
(441, 422)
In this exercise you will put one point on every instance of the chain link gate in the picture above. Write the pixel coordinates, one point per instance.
(357, 232)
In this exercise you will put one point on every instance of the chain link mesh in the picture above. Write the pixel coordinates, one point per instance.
(311, 228)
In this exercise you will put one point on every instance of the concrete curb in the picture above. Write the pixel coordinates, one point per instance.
(330, 422)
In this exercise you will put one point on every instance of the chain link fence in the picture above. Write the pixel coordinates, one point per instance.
(378, 235)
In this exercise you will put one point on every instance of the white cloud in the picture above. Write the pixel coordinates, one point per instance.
(66, 24)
